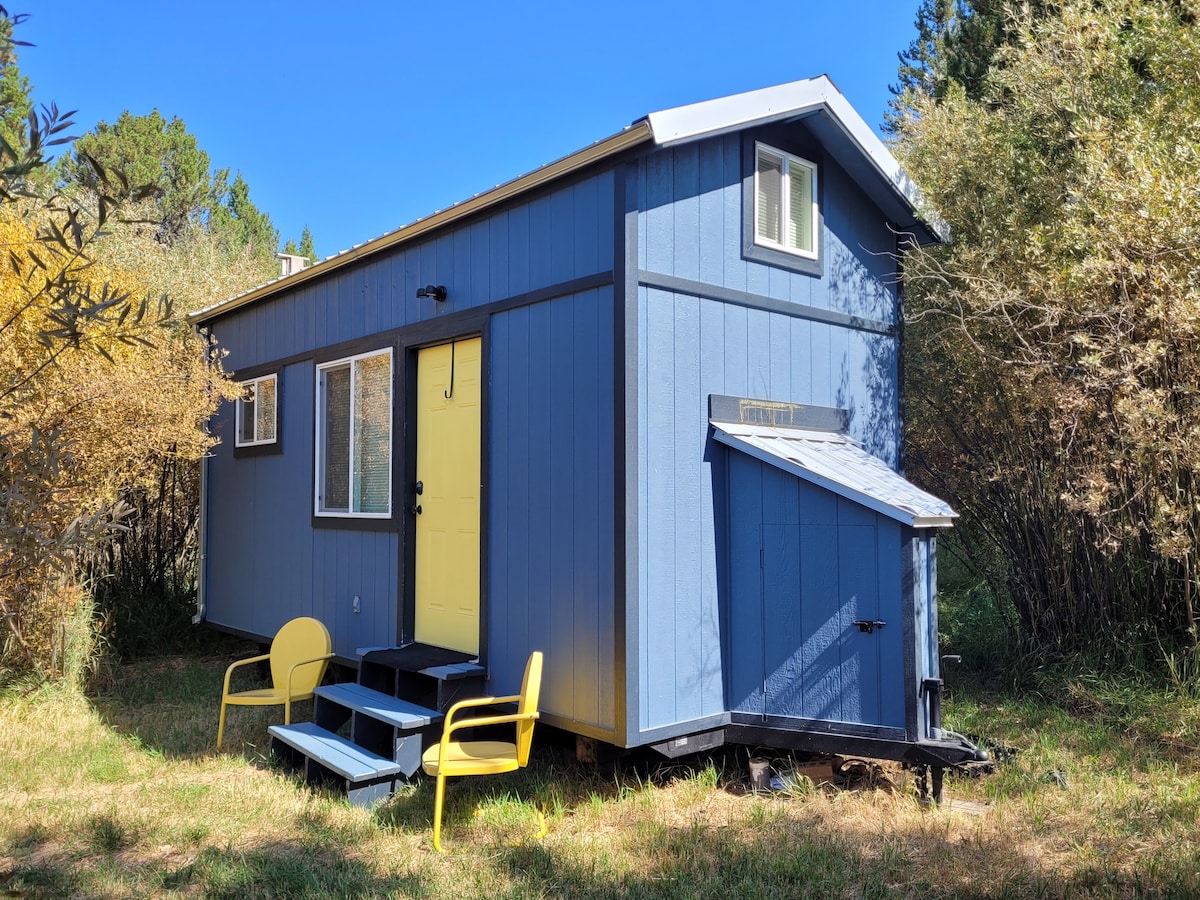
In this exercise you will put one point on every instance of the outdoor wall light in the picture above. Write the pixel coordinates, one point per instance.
(436, 291)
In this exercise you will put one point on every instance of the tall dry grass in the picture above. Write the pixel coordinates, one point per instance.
(121, 795)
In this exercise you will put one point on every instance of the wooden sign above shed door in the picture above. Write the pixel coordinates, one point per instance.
(448, 471)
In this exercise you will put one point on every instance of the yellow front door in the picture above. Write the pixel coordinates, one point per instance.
(447, 569)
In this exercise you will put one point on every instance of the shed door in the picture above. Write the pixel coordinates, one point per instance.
(448, 467)
(816, 581)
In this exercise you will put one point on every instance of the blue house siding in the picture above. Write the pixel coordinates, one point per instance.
(696, 342)
(268, 563)
(691, 225)
(272, 564)
(551, 501)
(693, 348)
(257, 526)
(558, 236)
(349, 564)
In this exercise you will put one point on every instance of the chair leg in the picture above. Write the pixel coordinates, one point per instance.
(221, 726)
(542, 829)
(437, 813)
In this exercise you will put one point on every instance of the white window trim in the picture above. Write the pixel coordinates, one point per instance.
(256, 441)
(319, 434)
(786, 200)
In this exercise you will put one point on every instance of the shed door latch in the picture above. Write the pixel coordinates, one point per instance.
(868, 626)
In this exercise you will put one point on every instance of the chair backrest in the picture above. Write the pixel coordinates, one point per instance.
(302, 638)
(531, 688)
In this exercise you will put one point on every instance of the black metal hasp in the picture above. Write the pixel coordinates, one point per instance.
(868, 626)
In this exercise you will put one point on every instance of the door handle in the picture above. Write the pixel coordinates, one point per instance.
(415, 509)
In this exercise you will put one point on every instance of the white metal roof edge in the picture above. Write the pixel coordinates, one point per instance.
(784, 101)
(735, 436)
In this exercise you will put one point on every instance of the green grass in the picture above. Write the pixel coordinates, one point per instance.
(121, 795)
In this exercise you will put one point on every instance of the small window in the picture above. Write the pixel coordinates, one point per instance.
(354, 436)
(785, 202)
(256, 411)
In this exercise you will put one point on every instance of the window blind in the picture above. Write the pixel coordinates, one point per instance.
(336, 452)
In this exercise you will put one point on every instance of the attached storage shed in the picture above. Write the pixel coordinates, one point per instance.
(639, 409)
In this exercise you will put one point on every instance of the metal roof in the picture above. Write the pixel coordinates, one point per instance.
(835, 462)
(858, 150)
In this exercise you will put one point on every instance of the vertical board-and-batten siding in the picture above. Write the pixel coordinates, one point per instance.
(547, 240)
(804, 565)
(266, 562)
(692, 345)
(551, 521)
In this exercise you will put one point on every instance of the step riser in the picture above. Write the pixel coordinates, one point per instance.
(387, 735)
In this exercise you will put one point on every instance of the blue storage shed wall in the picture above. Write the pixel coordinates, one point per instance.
(712, 321)
(804, 564)
(540, 272)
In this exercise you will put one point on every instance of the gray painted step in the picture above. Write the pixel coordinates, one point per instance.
(335, 753)
(395, 712)
(454, 671)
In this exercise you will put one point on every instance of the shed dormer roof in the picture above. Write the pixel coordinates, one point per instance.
(817, 101)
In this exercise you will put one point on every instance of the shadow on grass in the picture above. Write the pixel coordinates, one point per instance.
(779, 859)
(170, 704)
(314, 866)
(558, 784)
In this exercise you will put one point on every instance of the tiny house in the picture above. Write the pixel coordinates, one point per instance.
(640, 409)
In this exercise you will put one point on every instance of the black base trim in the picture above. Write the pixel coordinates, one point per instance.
(929, 753)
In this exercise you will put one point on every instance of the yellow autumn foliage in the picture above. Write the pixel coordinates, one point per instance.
(82, 418)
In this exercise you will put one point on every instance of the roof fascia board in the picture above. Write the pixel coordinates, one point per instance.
(637, 133)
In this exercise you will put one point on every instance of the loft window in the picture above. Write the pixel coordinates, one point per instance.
(256, 411)
(354, 436)
(785, 202)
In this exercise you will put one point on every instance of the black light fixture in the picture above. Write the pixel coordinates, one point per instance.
(436, 291)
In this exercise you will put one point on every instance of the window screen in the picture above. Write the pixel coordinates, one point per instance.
(256, 408)
(355, 436)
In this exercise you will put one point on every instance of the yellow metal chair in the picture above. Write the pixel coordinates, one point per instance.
(298, 656)
(453, 758)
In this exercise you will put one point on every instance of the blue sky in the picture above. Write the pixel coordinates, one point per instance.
(355, 118)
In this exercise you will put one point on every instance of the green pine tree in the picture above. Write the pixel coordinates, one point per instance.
(306, 245)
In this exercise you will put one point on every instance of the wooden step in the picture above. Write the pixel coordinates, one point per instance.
(335, 753)
(392, 710)
(365, 776)
(455, 671)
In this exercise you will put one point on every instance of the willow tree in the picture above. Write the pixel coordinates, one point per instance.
(1054, 343)
(97, 386)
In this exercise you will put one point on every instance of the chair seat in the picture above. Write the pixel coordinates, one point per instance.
(298, 658)
(472, 758)
(262, 697)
